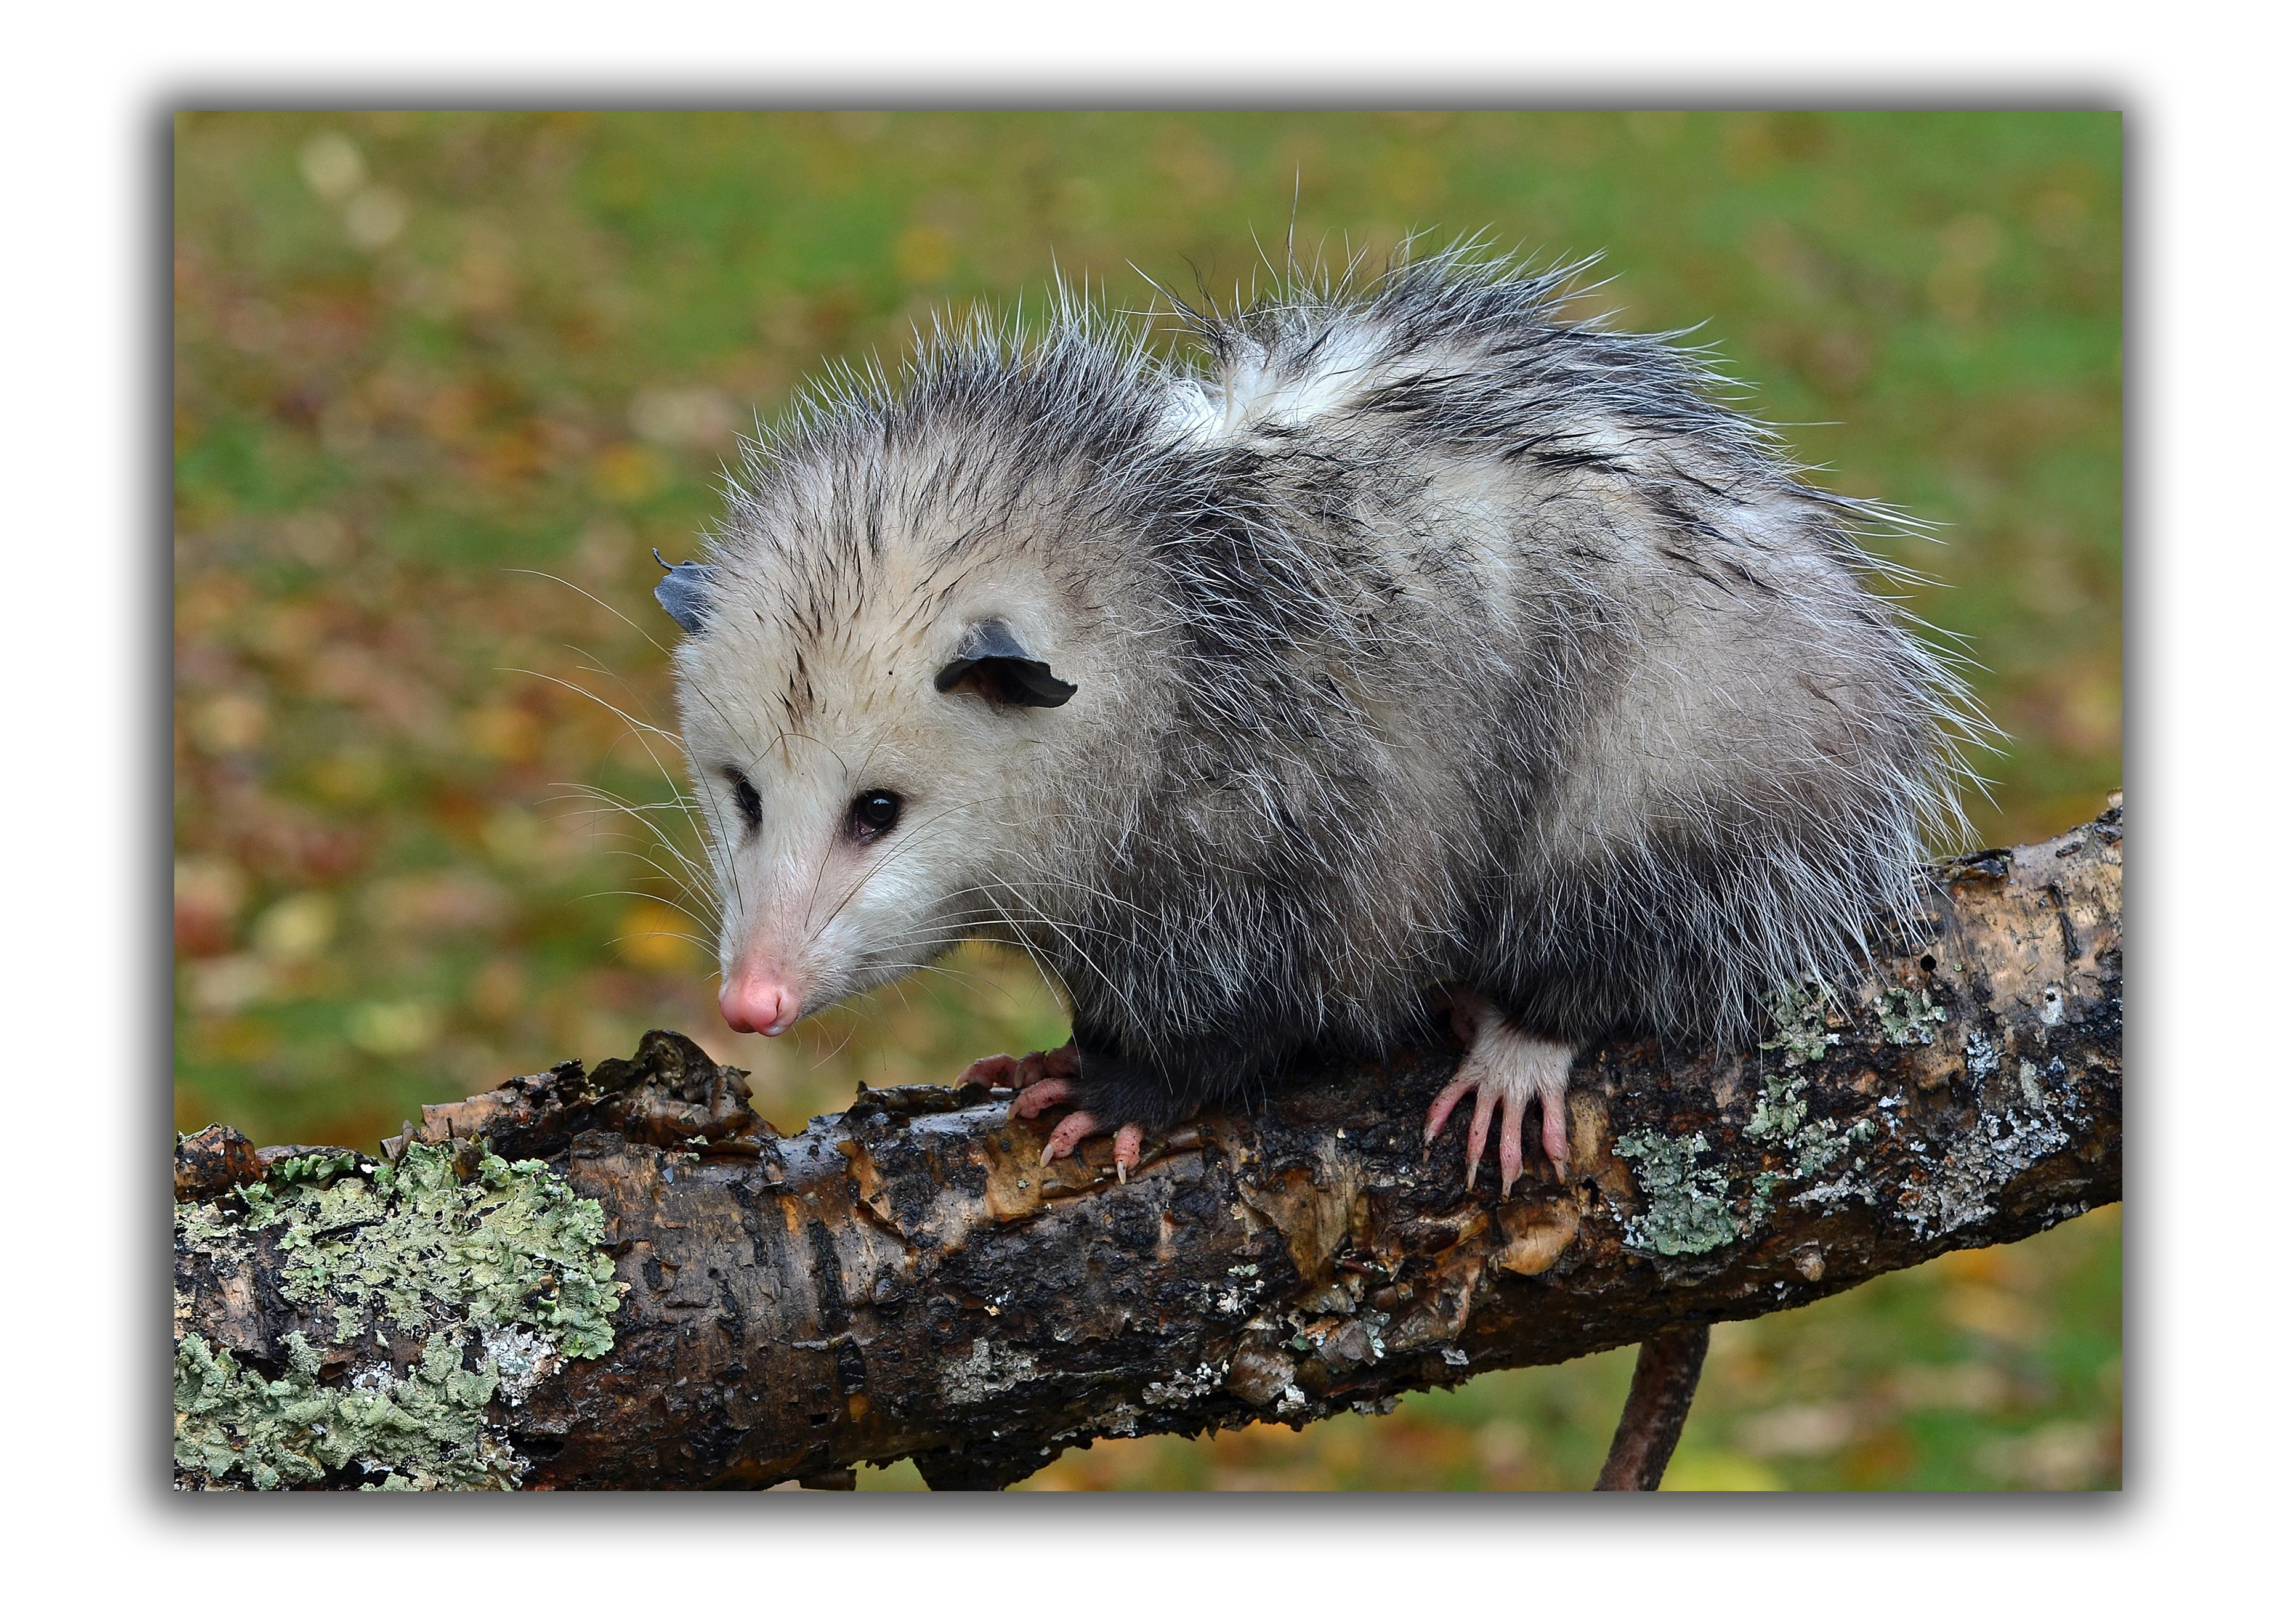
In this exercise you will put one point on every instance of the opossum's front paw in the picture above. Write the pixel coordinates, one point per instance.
(1509, 1071)
(1018, 1074)
(1047, 1079)
(1072, 1130)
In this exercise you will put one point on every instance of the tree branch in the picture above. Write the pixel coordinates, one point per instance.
(904, 1280)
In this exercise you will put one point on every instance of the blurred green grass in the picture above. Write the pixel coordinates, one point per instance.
(443, 379)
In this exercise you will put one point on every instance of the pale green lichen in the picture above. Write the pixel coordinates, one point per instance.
(1688, 1210)
(1906, 1017)
(205, 1227)
(1779, 1111)
(424, 1430)
(315, 1168)
(472, 1262)
(1782, 1119)
(1798, 1013)
(512, 1246)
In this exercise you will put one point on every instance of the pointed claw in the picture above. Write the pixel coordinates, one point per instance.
(1044, 1093)
(1479, 1132)
(1066, 1135)
(1510, 1144)
(1554, 1136)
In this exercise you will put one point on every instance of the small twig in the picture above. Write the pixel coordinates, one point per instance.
(1666, 1380)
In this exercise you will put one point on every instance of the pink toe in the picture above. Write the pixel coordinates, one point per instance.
(989, 1071)
(1044, 1093)
(1479, 1132)
(1044, 1065)
(1510, 1145)
(1554, 1137)
(1028, 1069)
(1067, 1133)
(1128, 1141)
(1441, 1109)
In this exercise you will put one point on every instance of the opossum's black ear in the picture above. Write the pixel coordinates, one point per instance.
(686, 593)
(993, 663)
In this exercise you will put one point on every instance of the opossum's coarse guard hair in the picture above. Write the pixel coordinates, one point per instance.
(1423, 638)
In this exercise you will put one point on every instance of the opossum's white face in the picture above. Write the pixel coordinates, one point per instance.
(868, 779)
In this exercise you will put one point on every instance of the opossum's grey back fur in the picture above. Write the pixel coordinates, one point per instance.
(1474, 645)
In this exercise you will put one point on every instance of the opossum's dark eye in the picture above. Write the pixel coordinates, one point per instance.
(875, 812)
(745, 797)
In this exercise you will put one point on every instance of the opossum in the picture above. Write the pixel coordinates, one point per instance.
(1378, 645)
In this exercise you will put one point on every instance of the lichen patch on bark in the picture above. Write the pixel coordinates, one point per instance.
(486, 1275)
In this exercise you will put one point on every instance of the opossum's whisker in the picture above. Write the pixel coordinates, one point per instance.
(637, 810)
(613, 804)
(660, 935)
(666, 870)
(642, 895)
(973, 983)
(632, 718)
(1098, 892)
(691, 875)
(603, 671)
(713, 841)
(704, 908)
(1115, 991)
(686, 811)
(536, 572)
(1004, 920)
(669, 780)
(994, 928)
(858, 1020)
(621, 803)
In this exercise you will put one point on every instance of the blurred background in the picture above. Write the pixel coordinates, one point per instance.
(442, 380)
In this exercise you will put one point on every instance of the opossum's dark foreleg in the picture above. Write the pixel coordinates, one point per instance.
(1129, 1095)
(1509, 1069)
(1050, 1078)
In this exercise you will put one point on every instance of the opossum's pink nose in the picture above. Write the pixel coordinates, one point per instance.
(759, 999)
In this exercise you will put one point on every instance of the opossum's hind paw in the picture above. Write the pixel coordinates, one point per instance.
(1508, 1070)
(1072, 1130)
(1510, 1109)
(1018, 1074)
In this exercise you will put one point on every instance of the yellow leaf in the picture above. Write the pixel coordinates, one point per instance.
(660, 939)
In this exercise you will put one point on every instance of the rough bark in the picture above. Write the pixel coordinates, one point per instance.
(904, 1280)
